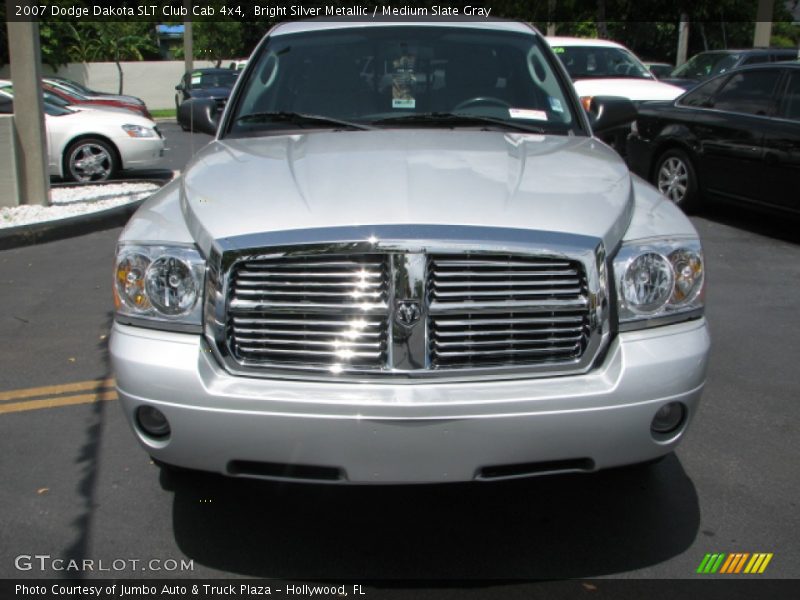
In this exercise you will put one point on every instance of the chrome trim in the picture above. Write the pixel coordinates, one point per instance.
(151, 323)
(670, 319)
(407, 247)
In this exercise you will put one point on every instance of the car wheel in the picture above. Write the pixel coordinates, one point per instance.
(90, 160)
(675, 177)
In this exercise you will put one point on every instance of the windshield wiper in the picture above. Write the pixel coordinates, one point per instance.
(455, 119)
(300, 119)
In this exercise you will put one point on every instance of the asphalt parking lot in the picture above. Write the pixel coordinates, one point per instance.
(77, 485)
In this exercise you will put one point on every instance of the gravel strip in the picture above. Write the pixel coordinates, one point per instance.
(76, 200)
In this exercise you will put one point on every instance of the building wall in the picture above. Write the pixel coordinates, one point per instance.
(152, 81)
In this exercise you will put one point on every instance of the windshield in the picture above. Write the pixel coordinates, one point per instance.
(587, 62)
(213, 79)
(405, 76)
(706, 64)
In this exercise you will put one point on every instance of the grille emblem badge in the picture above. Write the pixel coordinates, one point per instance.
(407, 313)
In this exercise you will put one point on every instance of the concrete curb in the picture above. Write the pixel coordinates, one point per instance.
(58, 229)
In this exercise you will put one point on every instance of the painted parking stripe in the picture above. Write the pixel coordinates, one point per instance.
(52, 396)
(53, 390)
(55, 402)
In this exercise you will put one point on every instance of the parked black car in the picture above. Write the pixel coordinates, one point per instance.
(735, 137)
(215, 84)
(705, 65)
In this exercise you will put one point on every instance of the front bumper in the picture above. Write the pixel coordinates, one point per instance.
(137, 153)
(411, 432)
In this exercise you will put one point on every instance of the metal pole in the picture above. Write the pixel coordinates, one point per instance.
(23, 49)
(763, 31)
(683, 40)
(188, 40)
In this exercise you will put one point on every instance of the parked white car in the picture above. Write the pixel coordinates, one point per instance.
(94, 144)
(603, 68)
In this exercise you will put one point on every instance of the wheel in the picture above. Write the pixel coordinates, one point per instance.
(481, 100)
(90, 160)
(675, 177)
(183, 125)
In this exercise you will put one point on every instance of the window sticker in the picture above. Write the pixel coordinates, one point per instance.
(403, 82)
(555, 105)
(196, 77)
(525, 113)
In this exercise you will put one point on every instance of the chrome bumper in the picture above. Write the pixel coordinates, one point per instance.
(420, 432)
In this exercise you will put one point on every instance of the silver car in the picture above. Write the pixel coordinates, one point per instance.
(405, 258)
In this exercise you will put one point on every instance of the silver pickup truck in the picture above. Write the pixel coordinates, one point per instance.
(405, 258)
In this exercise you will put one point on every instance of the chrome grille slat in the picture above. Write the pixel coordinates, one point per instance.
(440, 274)
(509, 342)
(296, 263)
(317, 293)
(455, 322)
(262, 305)
(491, 263)
(514, 332)
(241, 332)
(343, 344)
(554, 291)
(284, 281)
(304, 323)
(312, 356)
(313, 311)
(505, 282)
(505, 310)
(515, 306)
(504, 352)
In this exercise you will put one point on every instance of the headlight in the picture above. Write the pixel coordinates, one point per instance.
(137, 131)
(159, 285)
(659, 281)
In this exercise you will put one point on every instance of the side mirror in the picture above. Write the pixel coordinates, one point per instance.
(610, 112)
(200, 114)
(179, 87)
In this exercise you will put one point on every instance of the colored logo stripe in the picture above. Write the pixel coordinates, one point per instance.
(734, 563)
(711, 563)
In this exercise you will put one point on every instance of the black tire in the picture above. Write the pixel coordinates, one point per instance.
(89, 160)
(183, 125)
(675, 177)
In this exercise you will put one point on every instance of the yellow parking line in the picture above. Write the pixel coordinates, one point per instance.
(51, 390)
(55, 402)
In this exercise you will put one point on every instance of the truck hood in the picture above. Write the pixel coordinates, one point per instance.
(246, 186)
(633, 89)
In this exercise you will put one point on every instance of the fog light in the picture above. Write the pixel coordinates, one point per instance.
(152, 421)
(668, 418)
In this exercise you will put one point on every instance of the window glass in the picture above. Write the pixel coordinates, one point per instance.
(584, 62)
(706, 64)
(214, 79)
(756, 58)
(375, 73)
(702, 94)
(749, 92)
(791, 102)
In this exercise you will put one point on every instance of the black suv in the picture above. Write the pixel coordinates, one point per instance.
(715, 62)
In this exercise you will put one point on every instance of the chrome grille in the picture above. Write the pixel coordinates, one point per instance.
(310, 310)
(493, 310)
